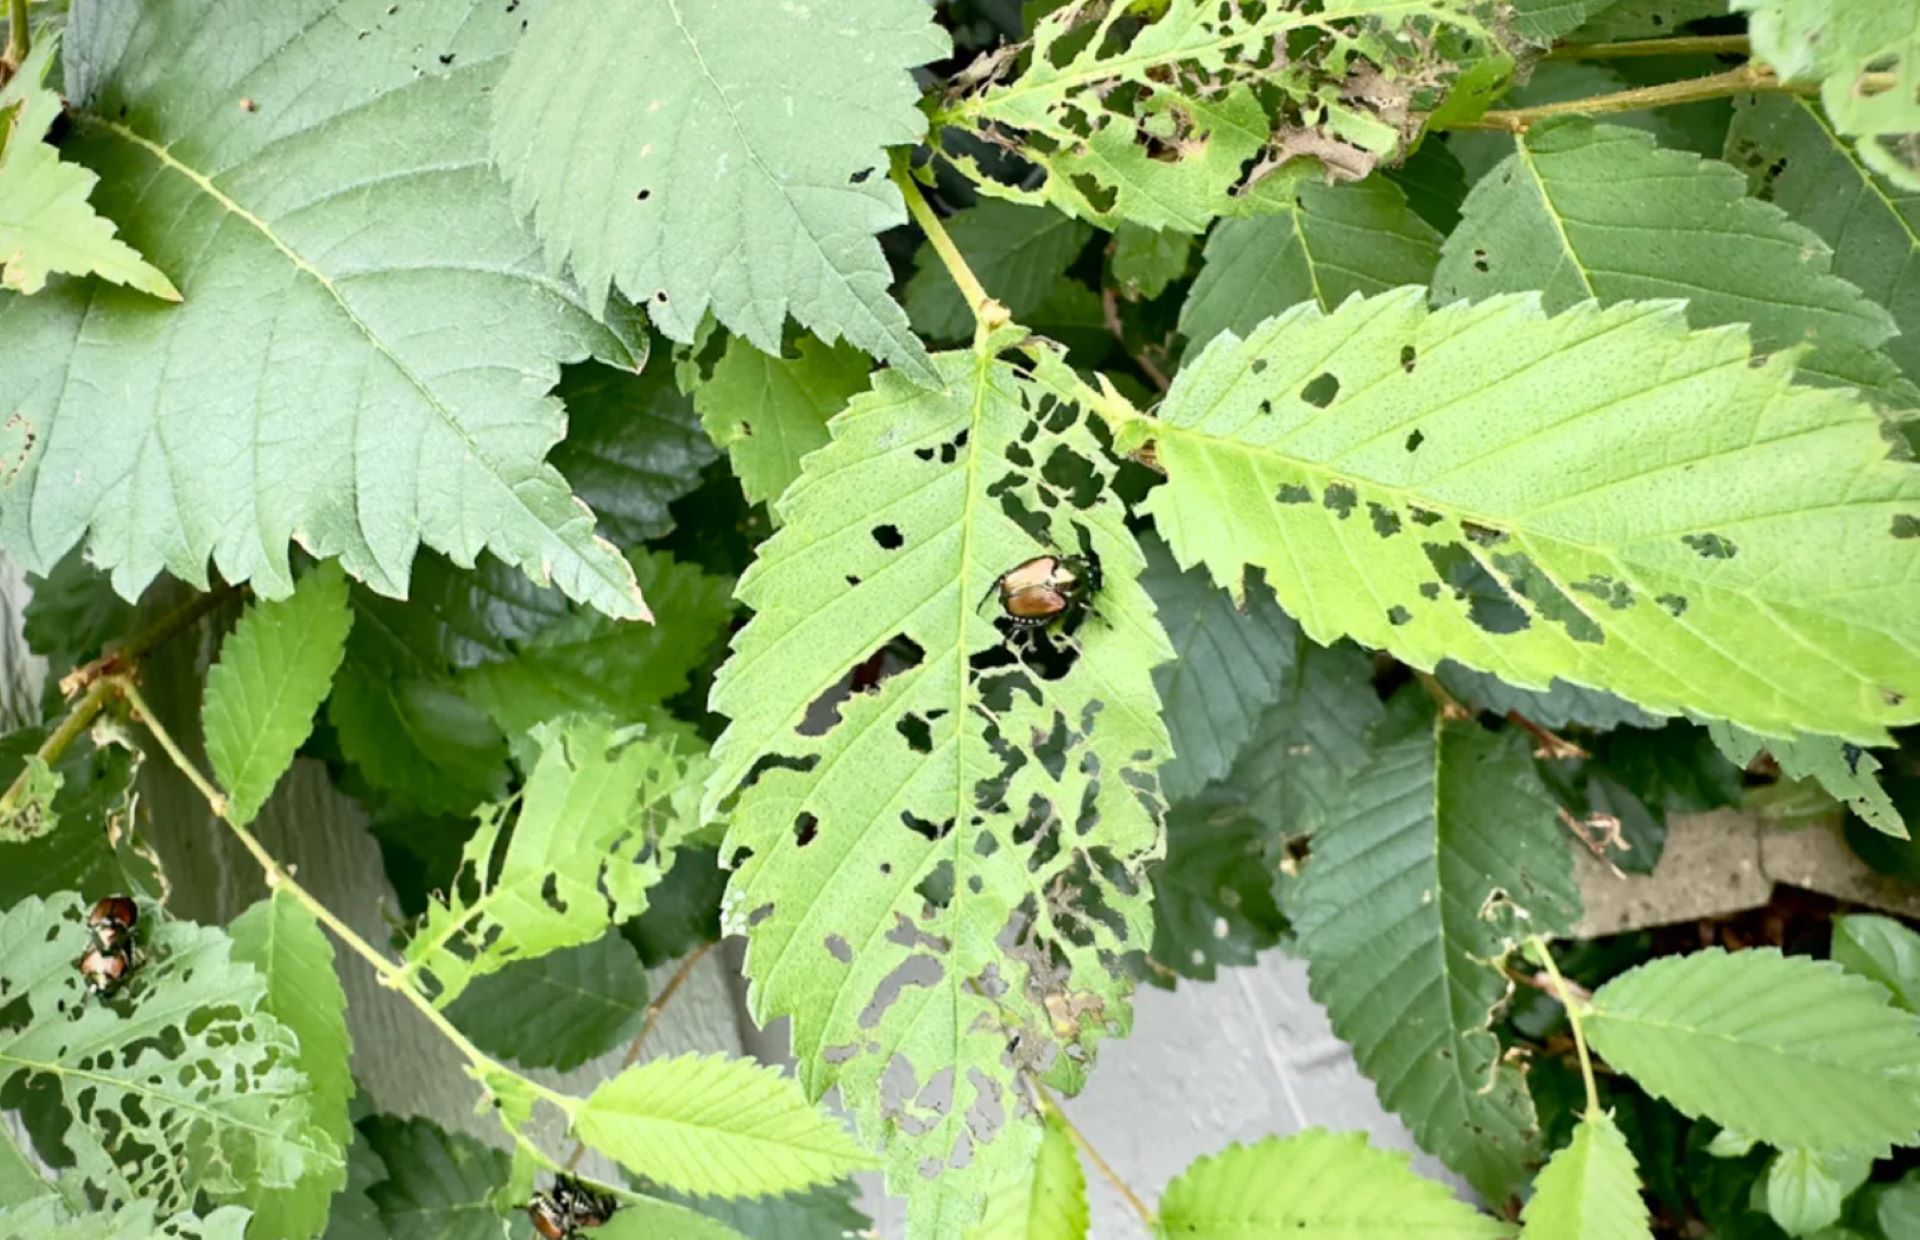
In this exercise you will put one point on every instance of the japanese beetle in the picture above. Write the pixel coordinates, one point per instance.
(1048, 588)
(111, 921)
(567, 1207)
(111, 955)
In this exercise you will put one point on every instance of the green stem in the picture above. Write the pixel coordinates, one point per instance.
(1100, 1164)
(1689, 45)
(1574, 1013)
(18, 41)
(1747, 79)
(987, 313)
(77, 721)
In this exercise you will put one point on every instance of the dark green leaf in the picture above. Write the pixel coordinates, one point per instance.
(768, 411)
(1213, 895)
(559, 1010)
(1146, 261)
(633, 446)
(437, 1183)
(824, 1213)
(1557, 706)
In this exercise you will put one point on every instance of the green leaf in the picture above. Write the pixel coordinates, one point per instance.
(1543, 21)
(1582, 211)
(1145, 261)
(597, 825)
(274, 671)
(1844, 770)
(716, 1126)
(73, 614)
(1213, 895)
(887, 839)
(825, 1213)
(1429, 508)
(1298, 769)
(1842, 46)
(1200, 111)
(46, 223)
(20, 1175)
(1805, 1190)
(48, 1218)
(93, 843)
(633, 446)
(1882, 949)
(1557, 706)
(647, 1218)
(281, 939)
(1019, 253)
(438, 1183)
(746, 176)
(361, 357)
(1448, 852)
(1335, 241)
(1792, 1051)
(588, 663)
(1435, 184)
(1316, 1185)
(1048, 1201)
(559, 1010)
(769, 411)
(353, 1215)
(1589, 1190)
(1794, 159)
(1645, 19)
(1899, 1209)
(183, 1087)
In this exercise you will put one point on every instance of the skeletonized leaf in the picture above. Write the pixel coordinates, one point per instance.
(49, 1218)
(281, 939)
(1048, 1201)
(716, 1126)
(46, 224)
(1018, 252)
(1446, 853)
(1883, 949)
(1590, 1190)
(1791, 1051)
(769, 411)
(1602, 496)
(1866, 59)
(275, 669)
(367, 338)
(744, 173)
(1316, 1185)
(1846, 771)
(559, 1010)
(1333, 242)
(887, 838)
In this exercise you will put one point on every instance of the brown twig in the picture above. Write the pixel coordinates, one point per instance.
(1110, 311)
(1545, 985)
(142, 642)
(1748, 78)
(1551, 747)
(1450, 707)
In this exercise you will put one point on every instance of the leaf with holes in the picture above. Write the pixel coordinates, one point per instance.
(1048, 1201)
(745, 173)
(598, 822)
(1447, 854)
(1847, 772)
(909, 785)
(1590, 1190)
(1866, 60)
(93, 843)
(46, 223)
(1602, 496)
(1315, 1185)
(185, 1087)
(1333, 242)
(362, 357)
(1213, 895)
(768, 412)
(715, 1126)
(50, 1219)
(1201, 110)
(274, 670)
(1788, 1050)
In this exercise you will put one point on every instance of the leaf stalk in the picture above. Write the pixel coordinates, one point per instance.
(1575, 1011)
(78, 720)
(19, 42)
(1752, 77)
(1686, 45)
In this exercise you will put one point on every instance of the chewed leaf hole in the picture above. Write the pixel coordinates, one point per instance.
(1905, 525)
(1407, 358)
(1711, 546)
(1414, 440)
(806, 828)
(889, 537)
(1292, 493)
(1320, 390)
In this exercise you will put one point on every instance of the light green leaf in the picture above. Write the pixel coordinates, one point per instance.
(1866, 59)
(1805, 1191)
(1731, 1143)
(1404, 477)
(1197, 111)
(1334, 242)
(1048, 1201)
(1589, 1190)
(1146, 260)
(1793, 1051)
(633, 446)
(275, 669)
(281, 939)
(361, 360)
(48, 1218)
(588, 663)
(1584, 211)
(1794, 159)
(1316, 1185)
(746, 175)
(597, 811)
(185, 1088)
(1018, 252)
(438, 1183)
(769, 411)
(716, 1126)
(1846, 771)
(46, 223)
(886, 840)
(559, 1010)
(1899, 1210)
(20, 1176)
(1883, 949)
(1446, 854)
